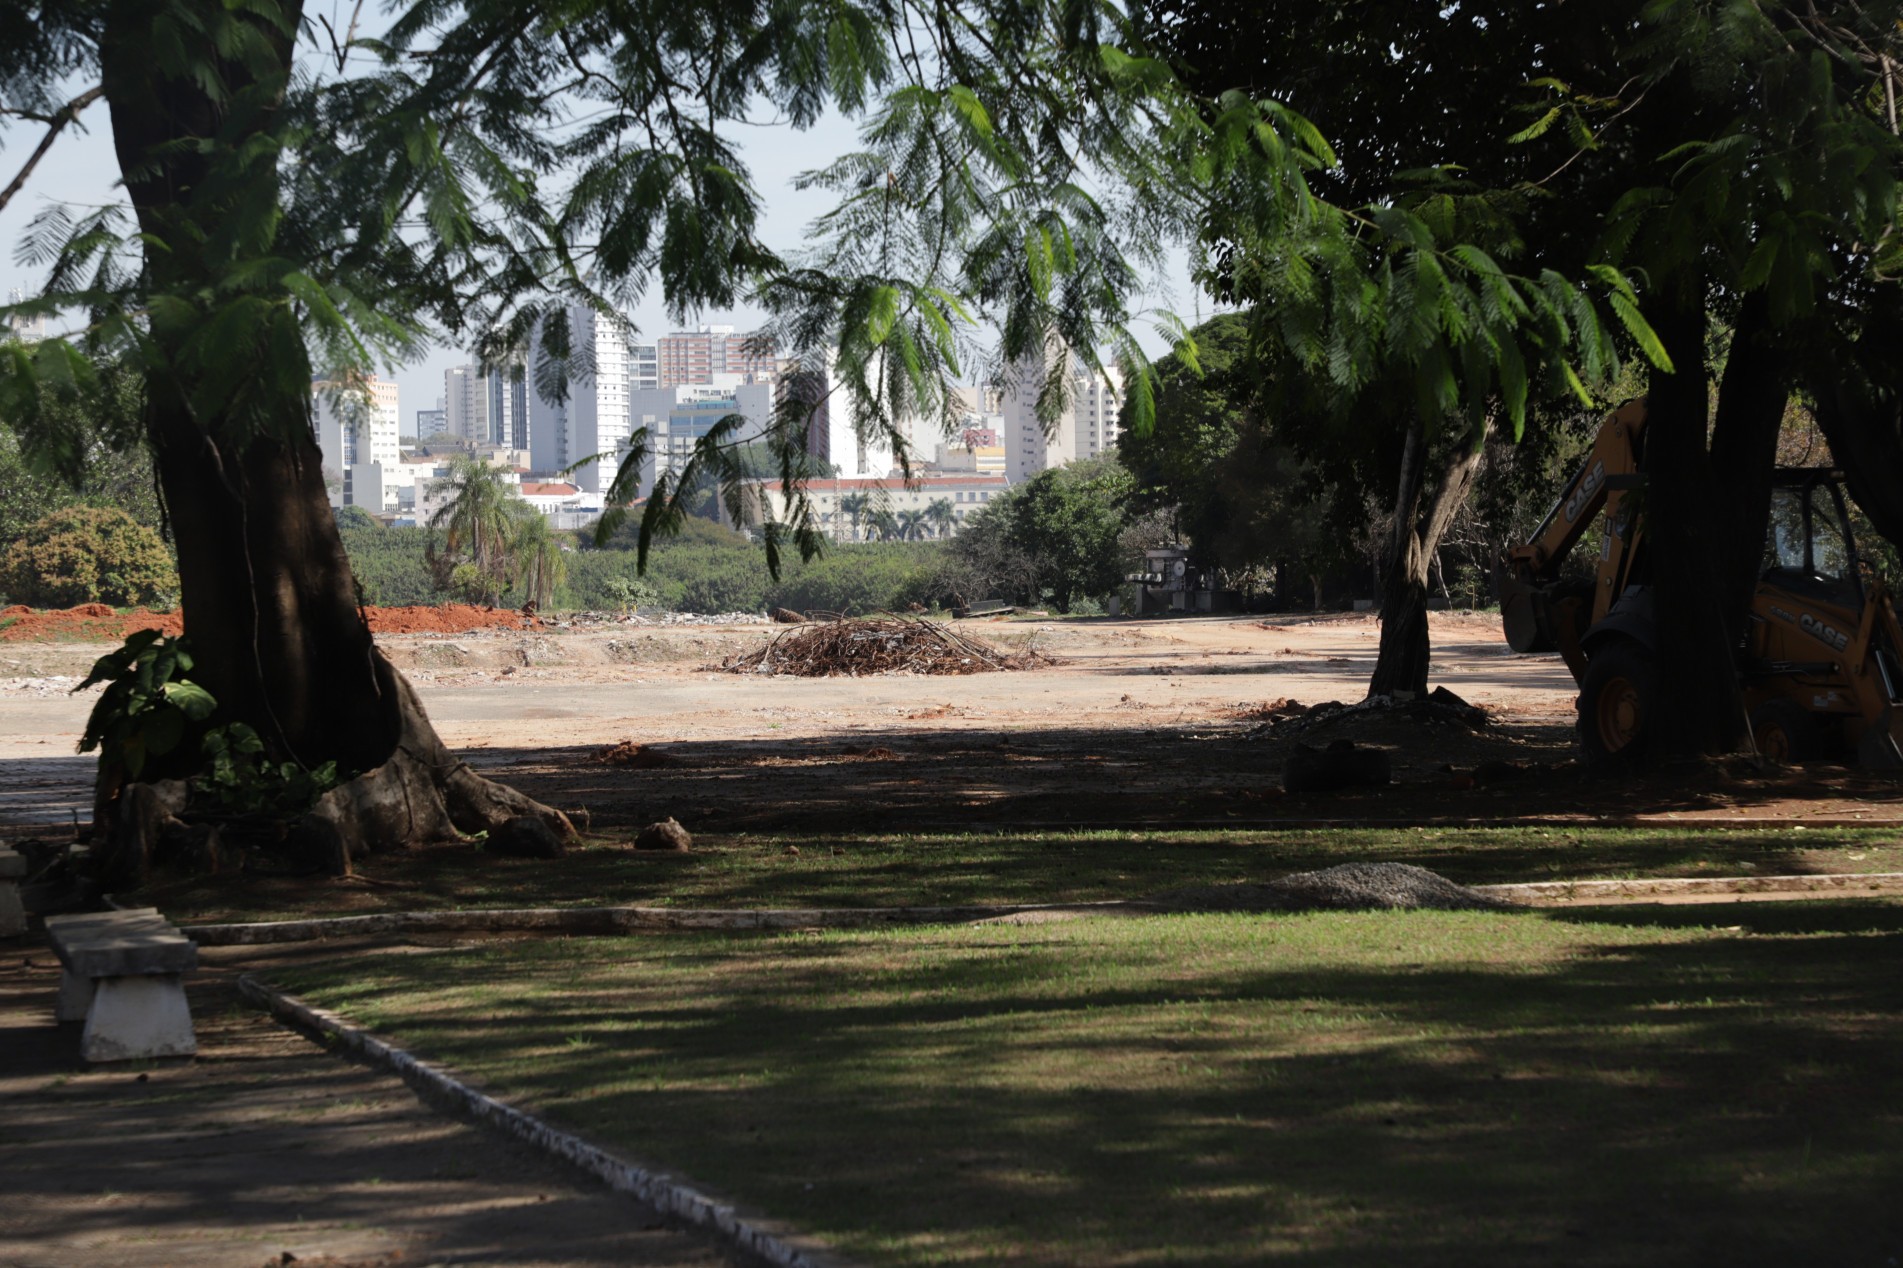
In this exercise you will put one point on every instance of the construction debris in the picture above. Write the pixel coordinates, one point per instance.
(633, 755)
(1439, 707)
(1343, 764)
(878, 645)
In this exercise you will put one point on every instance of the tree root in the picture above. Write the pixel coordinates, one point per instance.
(422, 794)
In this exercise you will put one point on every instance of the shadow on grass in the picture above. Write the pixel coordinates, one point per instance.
(1593, 1088)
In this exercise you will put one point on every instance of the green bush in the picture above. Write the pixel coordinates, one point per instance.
(389, 563)
(88, 554)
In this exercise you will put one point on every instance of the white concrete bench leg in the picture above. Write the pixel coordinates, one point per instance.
(135, 1017)
(75, 996)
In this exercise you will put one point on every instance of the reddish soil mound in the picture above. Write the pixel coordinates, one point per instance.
(87, 623)
(97, 623)
(451, 618)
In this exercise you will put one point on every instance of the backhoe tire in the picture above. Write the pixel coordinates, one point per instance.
(1785, 732)
(1617, 700)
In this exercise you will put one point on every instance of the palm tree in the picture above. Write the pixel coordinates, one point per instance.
(885, 523)
(478, 525)
(939, 514)
(538, 556)
(855, 504)
(911, 524)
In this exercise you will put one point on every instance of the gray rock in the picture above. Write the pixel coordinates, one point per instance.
(665, 835)
(1347, 887)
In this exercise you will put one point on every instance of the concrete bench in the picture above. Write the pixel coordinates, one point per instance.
(12, 914)
(122, 974)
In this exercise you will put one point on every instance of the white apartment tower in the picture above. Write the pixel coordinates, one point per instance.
(357, 423)
(1086, 428)
(594, 417)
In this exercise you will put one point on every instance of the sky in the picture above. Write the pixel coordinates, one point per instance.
(81, 170)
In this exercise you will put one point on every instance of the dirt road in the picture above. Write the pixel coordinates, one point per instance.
(1136, 721)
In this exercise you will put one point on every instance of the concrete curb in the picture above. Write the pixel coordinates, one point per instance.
(771, 1241)
(597, 921)
(613, 920)
(1857, 885)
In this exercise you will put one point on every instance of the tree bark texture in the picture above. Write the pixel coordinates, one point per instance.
(266, 590)
(1752, 395)
(1700, 709)
(1421, 515)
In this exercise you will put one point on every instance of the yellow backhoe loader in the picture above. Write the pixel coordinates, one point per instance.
(1819, 665)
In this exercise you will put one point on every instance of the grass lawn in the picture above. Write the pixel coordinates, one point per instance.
(980, 867)
(1668, 1085)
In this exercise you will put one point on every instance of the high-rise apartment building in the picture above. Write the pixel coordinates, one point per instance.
(1084, 428)
(508, 406)
(431, 422)
(357, 422)
(696, 356)
(466, 404)
(593, 419)
(644, 367)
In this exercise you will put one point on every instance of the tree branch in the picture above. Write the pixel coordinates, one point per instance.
(57, 123)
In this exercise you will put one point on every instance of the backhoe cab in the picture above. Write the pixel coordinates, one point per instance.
(1819, 664)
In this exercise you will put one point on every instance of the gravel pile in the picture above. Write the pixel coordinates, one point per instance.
(51, 685)
(1348, 887)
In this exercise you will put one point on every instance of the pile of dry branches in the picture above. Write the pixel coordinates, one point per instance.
(877, 645)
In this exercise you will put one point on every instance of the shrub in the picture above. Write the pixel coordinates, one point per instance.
(88, 554)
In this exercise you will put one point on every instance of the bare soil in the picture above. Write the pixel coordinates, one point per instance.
(1172, 722)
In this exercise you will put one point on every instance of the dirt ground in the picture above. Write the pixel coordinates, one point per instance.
(1153, 721)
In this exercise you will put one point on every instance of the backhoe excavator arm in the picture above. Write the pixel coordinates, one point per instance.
(1537, 613)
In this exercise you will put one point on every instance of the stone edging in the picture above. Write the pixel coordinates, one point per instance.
(613, 920)
(769, 1240)
(1864, 883)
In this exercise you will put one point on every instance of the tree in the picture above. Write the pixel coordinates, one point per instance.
(1742, 155)
(87, 554)
(1069, 521)
(911, 524)
(94, 459)
(479, 523)
(537, 558)
(855, 505)
(941, 515)
(576, 153)
(1234, 486)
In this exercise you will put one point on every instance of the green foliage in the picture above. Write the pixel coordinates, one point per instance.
(239, 777)
(391, 564)
(84, 454)
(481, 524)
(629, 593)
(148, 709)
(711, 569)
(1059, 534)
(87, 554)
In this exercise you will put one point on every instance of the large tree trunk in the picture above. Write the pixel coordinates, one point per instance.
(268, 599)
(1752, 394)
(1421, 516)
(1700, 709)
